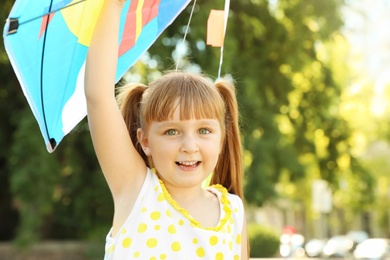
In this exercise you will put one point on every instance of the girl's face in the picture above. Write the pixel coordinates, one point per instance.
(184, 152)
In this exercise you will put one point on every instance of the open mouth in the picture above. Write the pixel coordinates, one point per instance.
(188, 165)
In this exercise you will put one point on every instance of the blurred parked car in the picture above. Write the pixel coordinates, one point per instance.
(338, 246)
(292, 245)
(314, 247)
(357, 236)
(373, 248)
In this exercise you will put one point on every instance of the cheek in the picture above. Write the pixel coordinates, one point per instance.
(214, 148)
(158, 148)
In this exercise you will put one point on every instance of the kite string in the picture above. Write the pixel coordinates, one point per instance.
(226, 12)
(185, 35)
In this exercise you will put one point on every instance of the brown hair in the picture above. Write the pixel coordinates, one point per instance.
(198, 98)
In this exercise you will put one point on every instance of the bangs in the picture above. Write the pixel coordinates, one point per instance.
(197, 98)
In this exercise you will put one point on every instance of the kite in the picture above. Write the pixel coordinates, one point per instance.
(47, 43)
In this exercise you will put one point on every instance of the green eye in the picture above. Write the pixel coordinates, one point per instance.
(171, 132)
(204, 131)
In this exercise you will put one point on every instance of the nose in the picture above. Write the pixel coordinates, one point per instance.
(189, 144)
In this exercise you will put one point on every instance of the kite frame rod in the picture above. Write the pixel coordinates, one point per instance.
(51, 12)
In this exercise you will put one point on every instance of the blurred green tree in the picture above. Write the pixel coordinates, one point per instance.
(288, 93)
(11, 101)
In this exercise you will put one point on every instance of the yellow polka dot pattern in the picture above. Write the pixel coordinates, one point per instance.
(238, 239)
(213, 240)
(219, 256)
(155, 215)
(126, 242)
(160, 197)
(151, 242)
(163, 230)
(142, 228)
(200, 252)
(111, 249)
(171, 229)
(176, 246)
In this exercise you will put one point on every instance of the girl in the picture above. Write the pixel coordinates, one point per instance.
(155, 152)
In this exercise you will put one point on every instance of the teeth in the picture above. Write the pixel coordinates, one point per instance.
(188, 163)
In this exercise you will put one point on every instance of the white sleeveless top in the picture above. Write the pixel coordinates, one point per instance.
(158, 228)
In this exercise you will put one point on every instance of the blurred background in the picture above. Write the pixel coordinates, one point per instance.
(313, 87)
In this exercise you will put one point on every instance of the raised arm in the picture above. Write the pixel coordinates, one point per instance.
(122, 166)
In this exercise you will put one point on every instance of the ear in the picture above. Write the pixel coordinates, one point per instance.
(143, 140)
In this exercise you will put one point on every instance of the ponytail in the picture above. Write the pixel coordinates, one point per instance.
(129, 100)
(229, 169)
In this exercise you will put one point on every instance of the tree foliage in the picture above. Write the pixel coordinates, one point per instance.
(288, 90)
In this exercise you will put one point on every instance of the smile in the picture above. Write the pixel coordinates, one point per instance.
(188, 164)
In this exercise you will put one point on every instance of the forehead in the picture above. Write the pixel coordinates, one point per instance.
(179, 115)
(183, 108)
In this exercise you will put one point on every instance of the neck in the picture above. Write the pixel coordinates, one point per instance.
(184, 194)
